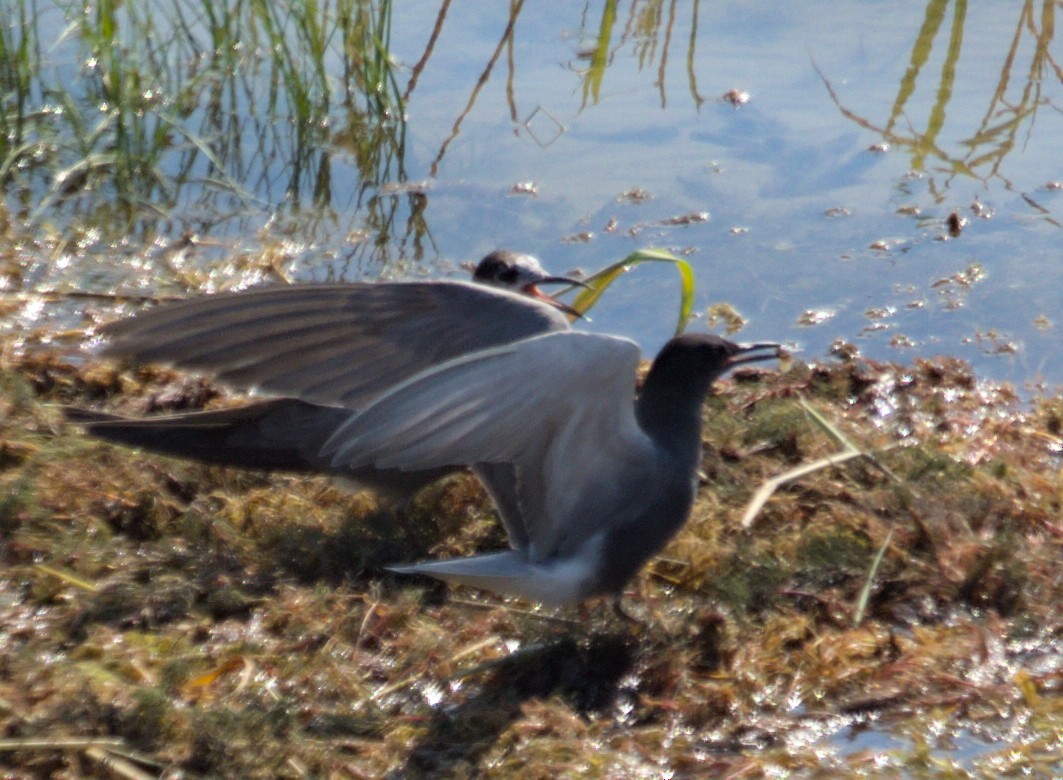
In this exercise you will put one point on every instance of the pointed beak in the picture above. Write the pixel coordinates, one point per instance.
(534, 291)
(752, 353)
(563, 280)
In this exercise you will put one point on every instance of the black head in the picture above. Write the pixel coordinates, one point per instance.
(669, 406)
(701, 358)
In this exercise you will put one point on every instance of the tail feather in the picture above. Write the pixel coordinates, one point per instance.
(556, 583)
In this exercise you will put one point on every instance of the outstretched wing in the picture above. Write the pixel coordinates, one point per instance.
(281, 433)
(337, 344)
(558, 408)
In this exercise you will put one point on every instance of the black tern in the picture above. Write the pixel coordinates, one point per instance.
(590, 479)
(288, 434)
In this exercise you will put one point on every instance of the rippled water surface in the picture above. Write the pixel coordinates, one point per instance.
(815, 199)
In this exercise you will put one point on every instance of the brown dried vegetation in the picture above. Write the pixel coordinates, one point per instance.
(201, 621)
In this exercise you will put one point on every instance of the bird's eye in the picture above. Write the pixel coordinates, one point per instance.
(508, 275)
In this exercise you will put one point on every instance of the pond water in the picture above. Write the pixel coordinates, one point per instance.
(815, 201)
(803, 217)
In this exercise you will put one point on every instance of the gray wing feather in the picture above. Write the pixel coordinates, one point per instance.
(558, 407)
(282, 434)
(500, 481)
(337, 344)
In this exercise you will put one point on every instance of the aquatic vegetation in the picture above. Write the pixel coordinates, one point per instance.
(111, 108)
(599, 282)
(899, 621)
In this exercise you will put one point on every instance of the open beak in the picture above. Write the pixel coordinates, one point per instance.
(534, 291)
(563, 280)
(751, 353)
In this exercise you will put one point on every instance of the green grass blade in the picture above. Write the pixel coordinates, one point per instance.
(599, 282)
(865, 592)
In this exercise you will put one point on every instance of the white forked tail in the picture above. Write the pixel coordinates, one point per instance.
(558, 583)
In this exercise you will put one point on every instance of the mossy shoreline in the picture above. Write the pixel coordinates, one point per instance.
(198, 621)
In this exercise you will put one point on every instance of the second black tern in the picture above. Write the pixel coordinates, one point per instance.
(590, 479)
(288, 434)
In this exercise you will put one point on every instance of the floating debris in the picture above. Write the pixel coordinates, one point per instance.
(880, 313)
(724, 314)
(955, 223)
(686, 219)
(838, 211)
(635, 195)
(843, 350)
(578, 238)
(736, 97)
(810, 317)
(875, 327)
(992, 342)
(900, 341)
(966, 278)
